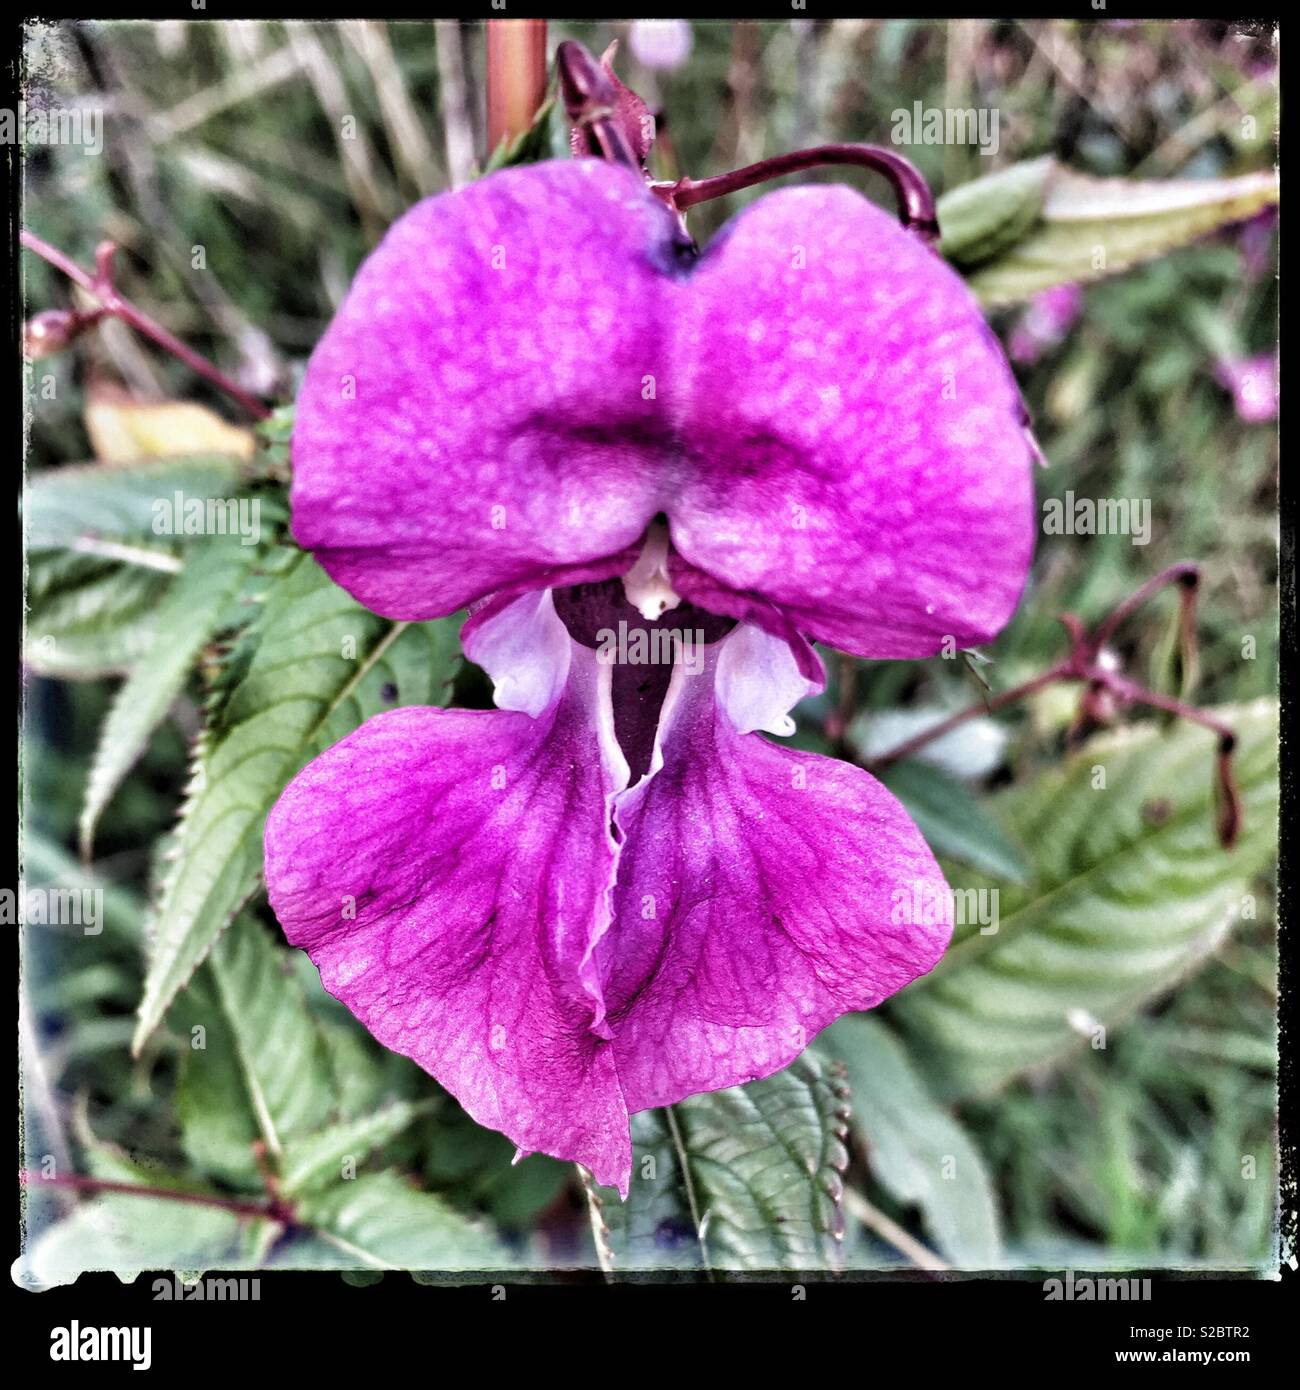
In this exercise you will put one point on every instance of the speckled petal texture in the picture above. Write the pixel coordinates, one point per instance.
(487, 897)
(447, 871)
(858, 455)
(473, 418)
(528, 371)
(524, 376)
(762, 892)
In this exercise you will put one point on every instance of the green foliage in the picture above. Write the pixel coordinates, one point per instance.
(100, 588)
(128, 1233)
(747, 1178)
(311, 668)
(245, 1008)
(381, 1222)
(1036, 225)
(312, 1161)
(953, 822)
(915, 1148)
(983, 219)
(546, 138)
(188, 617)
(1131, 892)
(92, 616)
(78, 505)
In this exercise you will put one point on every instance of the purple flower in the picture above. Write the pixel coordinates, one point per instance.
(664, 44)
(1050, 316)
(1253, 384)
(1255, 241)
(612, 892)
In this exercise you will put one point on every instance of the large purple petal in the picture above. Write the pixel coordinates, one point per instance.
(474, 417)
(489, 897)
(527, 371)
(858, 455)
(448, 872)
(761, 893)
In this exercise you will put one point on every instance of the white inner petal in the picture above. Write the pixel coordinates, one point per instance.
(759, 681)
(526, 650)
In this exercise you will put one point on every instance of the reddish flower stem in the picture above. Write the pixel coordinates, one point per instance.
(591, 102)
(516, 77)
(1185, 573)
(916, 208)
(100, 285)
(989, 706)
(1133, 693)
(1089, 664)
(837, 720)
(273, 1211)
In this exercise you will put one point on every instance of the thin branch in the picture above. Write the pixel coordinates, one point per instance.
(679, 1144)
(100, 286)
(892, 1233)
(916, 208)
(1185, 573)
(1139, 695)
(254, 1210)
(1089, 663)
(839, 717)
(1060, 671)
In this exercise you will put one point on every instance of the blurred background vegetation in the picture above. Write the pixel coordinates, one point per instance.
(231, 136)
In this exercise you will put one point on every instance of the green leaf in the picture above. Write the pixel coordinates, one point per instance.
(98, 569)
(367, 1077)
(654, 1228)
(1089, 228)
(379, 1221)
(953, 822)
(984, 217)
(188, 617)
(312, 667)
(1130, 892)
(544, 139)
(747, 1178)
(94, 507)
(915, 1148)
(47, 864)
(129, 1235)
(263, 1072)
(90, 617)
(476, 1168)
(316, 1160)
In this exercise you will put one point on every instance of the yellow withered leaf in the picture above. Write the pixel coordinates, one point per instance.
(125, 431)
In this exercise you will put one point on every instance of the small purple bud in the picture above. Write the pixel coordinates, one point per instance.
(1253, 384)
(662, 44)
(1050, 316)
(52, 330)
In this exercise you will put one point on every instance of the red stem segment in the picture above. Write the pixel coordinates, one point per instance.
(591, 101)
(1185, 573)
(954, 721)
(516, 76)
(916, 208)
(100, 285)
(273, 1211)
(1090, 664)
